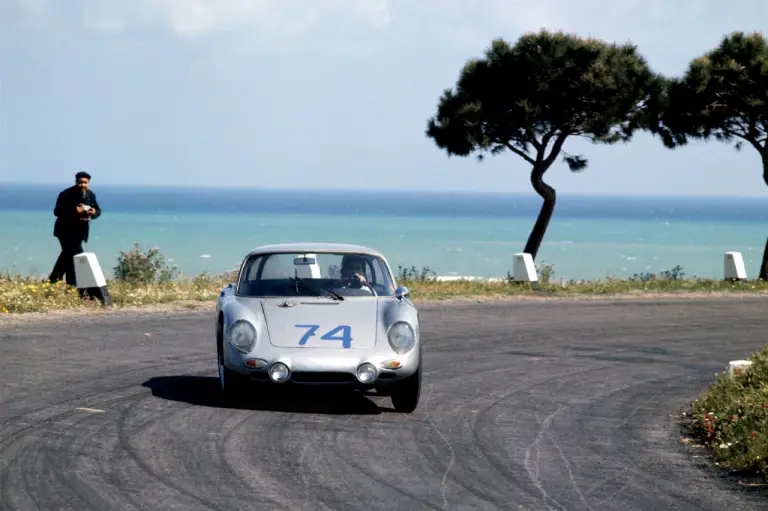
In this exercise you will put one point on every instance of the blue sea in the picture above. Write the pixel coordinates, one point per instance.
(452, 233)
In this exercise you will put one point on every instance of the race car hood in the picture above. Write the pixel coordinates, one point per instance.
(321, 323)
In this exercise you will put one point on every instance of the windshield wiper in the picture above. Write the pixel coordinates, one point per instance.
(316, 289)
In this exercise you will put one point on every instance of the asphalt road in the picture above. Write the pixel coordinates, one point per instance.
(540, 406)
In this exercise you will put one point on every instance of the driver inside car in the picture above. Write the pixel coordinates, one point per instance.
(353, 271)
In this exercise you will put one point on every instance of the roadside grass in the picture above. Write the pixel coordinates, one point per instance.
(24, 294)
(19, 294)
(437, 290)
(142, 278)
(731, 419)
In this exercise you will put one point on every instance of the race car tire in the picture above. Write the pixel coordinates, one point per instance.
(405, 394)
(230, 383)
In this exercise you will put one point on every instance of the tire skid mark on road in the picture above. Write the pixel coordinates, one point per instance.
(452, 460)
(341, 454)
(533, 468)
(314, 487)
(532, 464)
(545, 430)
(42, 426)
(478, 487)
(267, 476)
(125, 447)
(488, 456)
(633, 469)
(483, 413)
(49, 451)
(314, 484)
(120, 467)
(88, 394)
(219, 452)
(571, 477)
(50, 416)
(409, 496)
(74, 479)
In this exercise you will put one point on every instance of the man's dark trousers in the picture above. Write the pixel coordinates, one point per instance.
(65, 264)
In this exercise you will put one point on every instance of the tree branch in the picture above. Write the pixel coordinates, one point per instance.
(556, 147)
(732, 126)
(532, 136)
(520, 153)
(540, 161)
(751, 140)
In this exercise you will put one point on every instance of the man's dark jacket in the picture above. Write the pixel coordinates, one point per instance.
(68, 225)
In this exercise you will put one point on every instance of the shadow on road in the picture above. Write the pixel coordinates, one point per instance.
(204, 391)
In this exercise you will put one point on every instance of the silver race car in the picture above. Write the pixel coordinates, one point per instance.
(322, 314)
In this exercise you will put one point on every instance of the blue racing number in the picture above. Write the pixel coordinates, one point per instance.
(341, 333)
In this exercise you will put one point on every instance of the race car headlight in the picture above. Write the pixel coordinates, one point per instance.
(242, 335)
(401, 337)
(366, 373)
(279, 372)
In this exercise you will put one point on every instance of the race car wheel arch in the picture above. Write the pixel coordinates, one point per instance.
(229, 381)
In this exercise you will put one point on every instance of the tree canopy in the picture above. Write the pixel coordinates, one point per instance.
(722, 95)
(528, 98)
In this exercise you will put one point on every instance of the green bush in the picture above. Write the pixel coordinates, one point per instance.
(137, 267)
(732, 418)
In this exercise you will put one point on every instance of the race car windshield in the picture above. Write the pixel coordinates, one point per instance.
(325, 274)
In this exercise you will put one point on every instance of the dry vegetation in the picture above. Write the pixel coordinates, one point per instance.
(145, 278)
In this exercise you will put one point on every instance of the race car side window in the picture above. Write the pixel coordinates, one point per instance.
(380, 277)
(258, 268)
(254, 264)
(274, 267)
(369, 273)
(377, 276)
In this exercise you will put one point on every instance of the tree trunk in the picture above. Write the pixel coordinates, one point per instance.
(547, 208)
(765, 165)
(764, 266)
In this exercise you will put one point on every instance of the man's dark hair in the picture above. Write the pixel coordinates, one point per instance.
(351, 259)
(82, 174)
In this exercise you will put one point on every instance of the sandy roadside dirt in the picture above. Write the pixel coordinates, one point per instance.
(174, 308)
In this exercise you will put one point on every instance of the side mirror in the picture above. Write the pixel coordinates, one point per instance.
(401, 292)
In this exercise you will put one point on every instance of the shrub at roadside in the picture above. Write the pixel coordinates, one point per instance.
(731, 418)
(137, 267)
(142, 278)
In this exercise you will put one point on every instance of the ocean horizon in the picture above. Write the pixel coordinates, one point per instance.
(453, 233)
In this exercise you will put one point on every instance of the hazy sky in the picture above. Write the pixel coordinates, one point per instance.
(319, 93)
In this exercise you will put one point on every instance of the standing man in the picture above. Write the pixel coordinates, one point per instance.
(75, 207)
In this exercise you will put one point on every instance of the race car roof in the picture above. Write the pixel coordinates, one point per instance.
(314, 247)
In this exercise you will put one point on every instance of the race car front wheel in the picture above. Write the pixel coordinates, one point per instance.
(405, 395)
